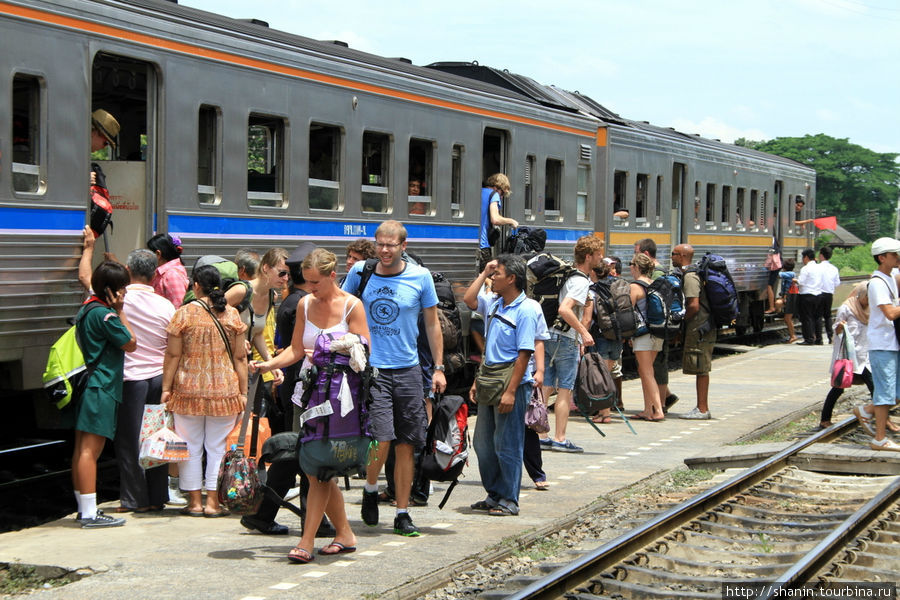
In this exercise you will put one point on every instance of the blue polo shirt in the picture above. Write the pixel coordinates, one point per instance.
(541, 331)
(510, 329)
(488, 195)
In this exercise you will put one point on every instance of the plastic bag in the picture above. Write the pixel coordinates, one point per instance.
(163, 446)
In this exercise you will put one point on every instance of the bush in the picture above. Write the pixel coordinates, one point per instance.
(854, 261)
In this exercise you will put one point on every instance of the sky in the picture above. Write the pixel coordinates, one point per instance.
(727, 69)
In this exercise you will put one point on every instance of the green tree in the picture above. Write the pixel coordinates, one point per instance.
(850, 179)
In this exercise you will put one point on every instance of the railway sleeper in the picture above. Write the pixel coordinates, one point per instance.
(701, 576)
(817, 496)
(681, 565)
(792, 498)
(736, 533)
(699, 552)
(729, 544)
(872, 560)
(857, 573)
(862, 484)
(758, 512)
(786, 521)
(646, 583)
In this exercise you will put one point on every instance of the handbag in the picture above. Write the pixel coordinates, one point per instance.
(773, 260)
(238, 485)
(536, 417)
(154, 419)
(842, 369)
(492, 381)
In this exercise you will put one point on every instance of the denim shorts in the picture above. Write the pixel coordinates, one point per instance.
(608, 349)
(885, 366)
(561, 362)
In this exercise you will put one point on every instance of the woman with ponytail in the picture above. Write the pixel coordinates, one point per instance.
(170, 280)
(204, 385)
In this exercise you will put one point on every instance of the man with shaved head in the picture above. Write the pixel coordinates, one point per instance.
(699, 333)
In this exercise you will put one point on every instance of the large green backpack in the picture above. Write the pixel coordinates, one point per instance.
(66, 375)
(228, 271)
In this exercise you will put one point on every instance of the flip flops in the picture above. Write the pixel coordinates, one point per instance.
(191, 513)
(338, 548)
(217, 514)
(300, 556)
(542, 485)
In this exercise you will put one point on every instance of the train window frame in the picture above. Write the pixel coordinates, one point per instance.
(457, 191)
(553, 183)
(529, 207)
(620, 198)
(331, 186)
(379, 184)
(709, 208)
(741, 223)
(697, 205)
(762, 222)
(754, 209)
(725, 209)
(582, 192)
(426, 180)
(34, 104)
(209, 136)
(274, 131)
(659, 204)
(641, 199)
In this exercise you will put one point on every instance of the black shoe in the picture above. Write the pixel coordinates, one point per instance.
(671, 399)
(370, 508)
(805, 344)
(819, 343)
(403, 525)
(264, 527)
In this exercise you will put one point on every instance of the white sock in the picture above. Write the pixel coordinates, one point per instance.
(88, 506)
(370, 487)
(862, 411)
(78, 500)
(400, 511)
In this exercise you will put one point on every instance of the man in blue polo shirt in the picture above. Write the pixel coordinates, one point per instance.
(511, 323)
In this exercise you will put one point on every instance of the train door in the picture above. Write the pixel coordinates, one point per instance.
(494, 152)
(676, 222)
(126, 88)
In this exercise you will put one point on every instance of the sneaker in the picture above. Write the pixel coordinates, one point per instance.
(670, 401)
(176, 498)
(864, 418)
(696, 415)
(262, 526)
(370, 508)
(884, 444)
(292, 493)
(566, 446)
(403, 525)
(546, 443)
(101, 520)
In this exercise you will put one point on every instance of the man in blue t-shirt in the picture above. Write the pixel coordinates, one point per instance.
(492, 194)
(393, 297)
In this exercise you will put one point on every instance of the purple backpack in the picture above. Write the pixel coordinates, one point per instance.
(330, 373)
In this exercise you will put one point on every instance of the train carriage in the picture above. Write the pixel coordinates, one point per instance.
(233, 134)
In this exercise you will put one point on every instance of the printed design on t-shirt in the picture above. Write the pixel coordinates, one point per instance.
(384, 310)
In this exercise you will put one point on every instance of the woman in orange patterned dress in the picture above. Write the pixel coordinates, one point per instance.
(204, 385)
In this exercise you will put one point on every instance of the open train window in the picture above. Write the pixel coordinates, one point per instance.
(208, 167)
(620, 206)
(640, 199)
(324, 167)
(753, 215)
(265, 165)
(741, 221)
(582, 198)
(710, 205)
(375, 170)
(726, 207)
(419, 188)
(529, 188)
(763, 222)
(552, 190)
(659, 202)
(696, 205)
(456, 179)
(493, 152)
(27, 134)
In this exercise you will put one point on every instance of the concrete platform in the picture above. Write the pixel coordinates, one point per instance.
(172, 556)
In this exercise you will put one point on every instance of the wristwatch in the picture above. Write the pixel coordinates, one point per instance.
(439, 368)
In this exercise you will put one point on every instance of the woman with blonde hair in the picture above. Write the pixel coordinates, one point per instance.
(325, 309)
(496, 189)
(271, 278)
(645, 345)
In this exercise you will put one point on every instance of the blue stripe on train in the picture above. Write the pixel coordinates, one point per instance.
(41, 219)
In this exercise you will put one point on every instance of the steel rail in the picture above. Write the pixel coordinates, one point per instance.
(825, 551)
(582, 569)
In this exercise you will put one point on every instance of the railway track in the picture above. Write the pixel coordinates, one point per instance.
(769, 529)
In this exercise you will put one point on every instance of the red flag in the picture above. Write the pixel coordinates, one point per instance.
(826, 223)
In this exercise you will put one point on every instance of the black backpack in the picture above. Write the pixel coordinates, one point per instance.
(446, 451)
(525, 240)
(547, 274)
(720, 290)
(613, 310)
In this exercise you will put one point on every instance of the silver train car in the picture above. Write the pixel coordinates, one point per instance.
(233, 135)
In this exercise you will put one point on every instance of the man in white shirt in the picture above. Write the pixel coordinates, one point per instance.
(810, 298)
(884, 351)
(831, 278)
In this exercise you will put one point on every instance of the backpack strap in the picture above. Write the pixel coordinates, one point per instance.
(365, 275)
(218, 326)
(90, 306)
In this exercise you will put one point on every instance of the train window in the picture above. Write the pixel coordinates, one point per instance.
(620, 205)
(710, 205)
(659, 201)
(726, 207)
(740, 222)
(375, 169)
(640, 202)
(582, 203)
(456, 201)
(696, 205)
(529, 188)
(493, 152)
(324, 167)
(208, 180)
(265, 169)
(420, 194)
(754, 208)
(763, 215)
(552, 190)
(26, 134)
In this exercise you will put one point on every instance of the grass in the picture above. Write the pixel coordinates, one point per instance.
(541, 549)
(19, 579)
(765, 545)
(686, 477)
(789, 432)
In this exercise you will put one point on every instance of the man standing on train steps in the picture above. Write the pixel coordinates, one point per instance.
(393, 297)
(699, 334)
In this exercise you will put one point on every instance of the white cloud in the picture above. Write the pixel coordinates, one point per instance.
(711, 127)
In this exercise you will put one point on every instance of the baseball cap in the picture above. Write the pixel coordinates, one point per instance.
(300, 253)
(885, 244)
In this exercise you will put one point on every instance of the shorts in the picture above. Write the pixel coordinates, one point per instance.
(773, 279)
(608, 349)
(790, 304)
(97, 412)
(397, 411)
(885, 366)
(647, 342)
(696, 354)
(561, 362)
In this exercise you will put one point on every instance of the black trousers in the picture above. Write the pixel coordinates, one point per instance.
(138, 488)
(825, 302)
(835, 393)
(531, 456)
(280, 476)
(810, 315)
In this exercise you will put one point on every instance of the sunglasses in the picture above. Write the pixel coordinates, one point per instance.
(283, 273)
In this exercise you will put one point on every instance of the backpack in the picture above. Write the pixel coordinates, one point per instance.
(613, 311)
(720, 289)
(228, 271)
(525, 240)
(446, 444)
(334, 436)
(547, 274)
(659, 316)
(451, 324)
(65, 376)
(101, 208)
(594, 386)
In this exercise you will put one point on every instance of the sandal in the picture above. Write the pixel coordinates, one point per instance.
(482, 505)
(300, 556)
(542, 485)
(338, 548)
(191, 513)
(602, 420)
(502, 511)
